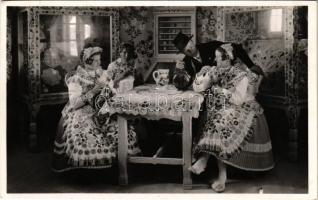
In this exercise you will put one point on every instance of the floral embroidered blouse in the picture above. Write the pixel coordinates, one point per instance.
(238, 85)
(82, 82)
(118, 68)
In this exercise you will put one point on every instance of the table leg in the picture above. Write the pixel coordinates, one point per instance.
(187, 149)
(122, 150)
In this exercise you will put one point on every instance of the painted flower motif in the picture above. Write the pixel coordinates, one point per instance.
(303, 46)
(111, 129)
(143, 13)
(125, 26)
(145, 47)
(211, 28)
(133, 22)
(203, 28)
(134, 33)
(142, 26)
(212, 22)
(205, 21)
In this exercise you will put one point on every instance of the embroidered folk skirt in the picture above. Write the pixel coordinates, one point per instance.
(239, 136)
(85, 140)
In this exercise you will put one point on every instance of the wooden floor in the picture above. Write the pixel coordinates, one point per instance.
(30, 173)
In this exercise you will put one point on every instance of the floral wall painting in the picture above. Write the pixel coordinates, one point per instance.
(240, 26)
(271, 56)
(145, 50)
(136, 27)
(261, 25)
(302, 68)
(261, 31)
(134, 20)
(206, 24)
(9, 48)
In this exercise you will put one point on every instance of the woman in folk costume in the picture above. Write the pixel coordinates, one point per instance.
(198, 55)
(123, 66)
(84, 139)
(236, 131)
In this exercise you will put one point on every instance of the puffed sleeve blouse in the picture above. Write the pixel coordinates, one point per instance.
(238, 89)
(81, 83)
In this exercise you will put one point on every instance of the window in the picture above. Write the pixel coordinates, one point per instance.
(276, 17)
(74, 29)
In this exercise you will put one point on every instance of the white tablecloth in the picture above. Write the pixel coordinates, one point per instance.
(155, 103)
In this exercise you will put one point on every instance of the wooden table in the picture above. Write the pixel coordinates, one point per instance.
(165, 103)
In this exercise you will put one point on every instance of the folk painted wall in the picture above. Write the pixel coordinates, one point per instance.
(137, 28)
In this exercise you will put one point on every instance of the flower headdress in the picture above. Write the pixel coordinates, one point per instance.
(88, 52)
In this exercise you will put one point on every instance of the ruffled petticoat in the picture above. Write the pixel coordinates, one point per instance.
(239, 136)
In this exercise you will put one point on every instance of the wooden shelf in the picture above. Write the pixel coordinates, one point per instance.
(175, 21)
(168, 33)
(168, 39)
(168, 50)
(166, 45)
(167, 27)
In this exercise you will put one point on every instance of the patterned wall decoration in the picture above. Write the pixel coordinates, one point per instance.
(298, 69)
(270, 55)
(9, 47)
(134, 20)
(23, 49)
(273, 55)
(291, 71)
(302, 68)
(240, 25)
(136, 27)
(206, 24)
(301, 57)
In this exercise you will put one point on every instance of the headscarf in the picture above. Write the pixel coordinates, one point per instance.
(229, 50)
(89, 52)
